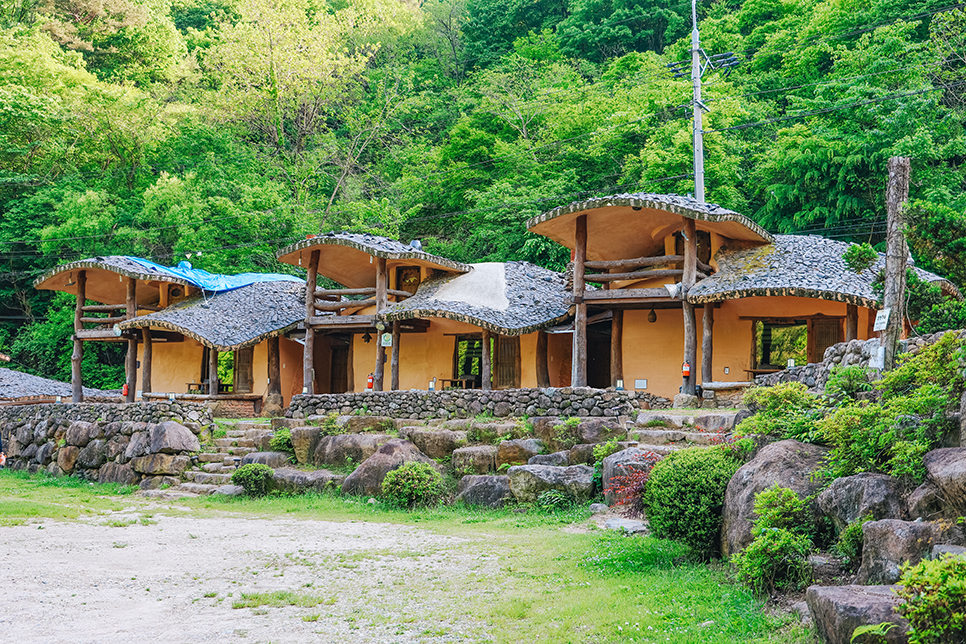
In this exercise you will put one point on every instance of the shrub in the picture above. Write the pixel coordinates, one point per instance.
(412, 484)
(935, 364)
(567, 434)
(554, 500)
(603, 450)
(849, 544)
(777, 560)
(934, 600)
(780, 507)
(685, 494)
(859, 257)
(788, 409)
(629, 488)
(255, 478)
(845, 382)
(281, 441)
(330, 425)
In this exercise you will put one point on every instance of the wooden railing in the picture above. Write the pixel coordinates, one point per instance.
(630, 266)
(110, 320)
(329, 300)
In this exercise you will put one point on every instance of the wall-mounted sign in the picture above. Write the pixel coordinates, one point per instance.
(386, 339)
(882, 319)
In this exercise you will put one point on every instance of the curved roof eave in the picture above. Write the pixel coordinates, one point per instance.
(133, 271)
(370, 249)
(145, 321)
(410, 314)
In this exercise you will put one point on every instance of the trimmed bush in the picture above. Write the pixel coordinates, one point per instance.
(777, 560)
(685, 494)
(412, 484)
(934, 600)
(780, 507)
(788, 410)
(255, 478)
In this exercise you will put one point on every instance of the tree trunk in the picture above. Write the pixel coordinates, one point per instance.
(486, 375)
(381, 301)
(273, 394)
(394, 373)
(578, 376)
(851, 322)
(617, 347)
(707, 344)
(897, 193)
(690, 324)
(146, 357)
(308, 351)
(212, 372)
(76, 377)
(131, 361)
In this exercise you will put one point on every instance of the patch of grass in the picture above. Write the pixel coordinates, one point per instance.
(279, 598)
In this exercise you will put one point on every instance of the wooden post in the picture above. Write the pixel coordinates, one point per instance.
(273, 394)
(543, 367)
(897, 193)
(381, 302)
(690, 324)
(707, 344)
(131, 361)
(394, 366)
(851, 322)
(616, 347)
(308, 351)
(486, 375)
(146, 357)
(578, 375)
(212, 372)
(76, 378)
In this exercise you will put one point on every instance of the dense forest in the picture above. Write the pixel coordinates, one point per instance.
(219, 130)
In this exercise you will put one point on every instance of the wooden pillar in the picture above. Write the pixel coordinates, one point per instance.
(543, 367)
(616, 347)
(690, 324)
(897, 194)
(707, 344)
(851, 322)
(381, 302)
(146, 357)
(308, 350)
(578, 373)
(273, 394)
(394, 367)
(212, 372)
(76, 378)
(131, 360)
(486, 375)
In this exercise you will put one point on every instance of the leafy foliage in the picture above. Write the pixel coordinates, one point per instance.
(788, 410)
(255, 478)
(845, 382)
(849, 544)
(933, 594)
(412, 484)
(780, 507)
(628, 489)
(860, 257)
(776, 560)
(281, 440)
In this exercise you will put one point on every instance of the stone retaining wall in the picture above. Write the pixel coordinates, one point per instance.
(467, 403)
(118, 443)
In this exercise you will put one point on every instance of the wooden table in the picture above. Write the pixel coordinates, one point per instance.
(466, 383)
(195, 386)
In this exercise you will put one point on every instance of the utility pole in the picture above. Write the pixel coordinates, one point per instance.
(897, 194)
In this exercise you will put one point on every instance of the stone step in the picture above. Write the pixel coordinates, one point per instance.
(200, 489)
(219, 468)
(206, 478)
(237, 451)
(678, 438)
(262, 426)
(210, 457)
(243, 426)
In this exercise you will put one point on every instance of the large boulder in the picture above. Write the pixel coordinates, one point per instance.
(489, 491)
(716, 422)
(528, 481)
(560, 459)
(558, 435)
(170, 437)
(947, 471)
(299, 482)
(78, 434)
(67, 458)
(367, 478)
(434, 443)
(788, 463)
(623, 463)
(305, 440)
(272, 459)
(518, 451)
(358, 424)
(92, 456)
(853, 497)
(341, 449)
(838, 610)
(117, 473)
(889, 543)
(140, 445)
(160, 464)
(478, 459)
(925, 502)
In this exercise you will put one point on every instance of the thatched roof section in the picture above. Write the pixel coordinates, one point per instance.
(799, 266)
(16, 384)
(509, 299)
(634, 225)
(234, 319)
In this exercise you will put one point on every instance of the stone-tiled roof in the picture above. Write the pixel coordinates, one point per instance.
(684, 206)
(233, 319)
(532, 298)
(795, 265)
(374, 245)
(118, 264)
(16, 384)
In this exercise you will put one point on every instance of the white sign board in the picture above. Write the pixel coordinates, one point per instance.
(386, 339)
(882, 320)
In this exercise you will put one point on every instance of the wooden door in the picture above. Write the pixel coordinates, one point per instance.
(339, 373)
(507, 367)
(244, 377)
(823, 333)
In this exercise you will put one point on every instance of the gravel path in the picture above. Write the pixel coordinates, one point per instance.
(131, 577)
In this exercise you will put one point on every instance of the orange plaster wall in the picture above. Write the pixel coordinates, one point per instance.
(174, 364)
(290, 365)
(560, 347)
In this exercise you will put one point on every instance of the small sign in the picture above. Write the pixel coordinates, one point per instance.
(640, 384)
(386, 340)
(882, 319)
(117, 331)
(877, 360)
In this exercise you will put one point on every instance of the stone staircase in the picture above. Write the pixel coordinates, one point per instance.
(665, 432)
(214, 468)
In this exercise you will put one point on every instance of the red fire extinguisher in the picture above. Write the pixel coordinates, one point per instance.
(686, 370)
(369, 381)
(124, 390)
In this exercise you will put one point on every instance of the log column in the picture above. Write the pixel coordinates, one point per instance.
(578, 372)
(146, 357)
(273, 395)
(394, 360)
(851, 322)
(690, 325)
(131, 361)
(486, 375)
(707, 344)
(897, 194)
(381, 302)
(76, 379)
(212, 372)
(616, 347)
(308, 351)
(543, 367)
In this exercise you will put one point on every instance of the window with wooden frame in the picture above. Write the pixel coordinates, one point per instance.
(468, 357)
(407, 278)
(775, 341)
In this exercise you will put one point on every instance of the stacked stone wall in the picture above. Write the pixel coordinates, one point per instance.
(467, 403)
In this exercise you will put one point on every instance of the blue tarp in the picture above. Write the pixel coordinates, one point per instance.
(211, 281)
